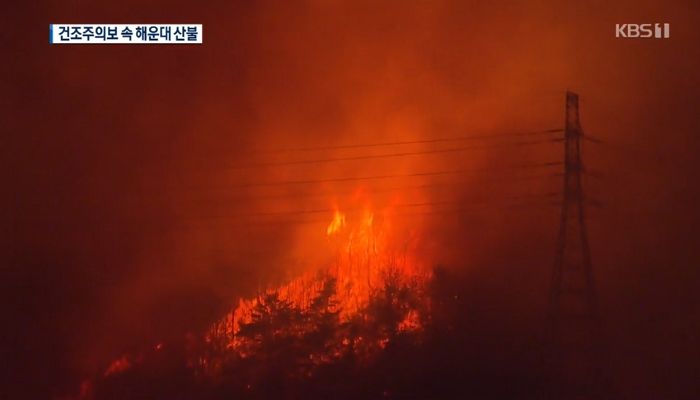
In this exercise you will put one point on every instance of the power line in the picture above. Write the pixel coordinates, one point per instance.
(407, 142)
(392, 155)
(330, 210)
(250, 225)
(593, 139)
(389, 176)
(481, 201)
(288, 196)
(479, 207)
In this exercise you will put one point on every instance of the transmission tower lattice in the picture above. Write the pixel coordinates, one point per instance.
(573, 347)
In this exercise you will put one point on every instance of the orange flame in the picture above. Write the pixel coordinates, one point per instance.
(364, 257)
(336, 224)
(367, 254)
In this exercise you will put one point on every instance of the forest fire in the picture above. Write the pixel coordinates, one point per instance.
(372, 296)
(350, 200)
(365, 262)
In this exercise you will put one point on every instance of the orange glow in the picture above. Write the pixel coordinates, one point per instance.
(118, 366)
(366, 253)
(336, 224)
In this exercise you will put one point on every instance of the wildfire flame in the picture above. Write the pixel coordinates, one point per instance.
(336, 224)
(366, 253)
(363, 258)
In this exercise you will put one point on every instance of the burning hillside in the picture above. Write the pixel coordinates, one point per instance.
(373, 297)
(367, 270)
(364, 260)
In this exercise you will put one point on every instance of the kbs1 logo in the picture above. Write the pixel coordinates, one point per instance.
(656, 31)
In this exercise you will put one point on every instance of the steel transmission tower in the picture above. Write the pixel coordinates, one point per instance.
(573, 344)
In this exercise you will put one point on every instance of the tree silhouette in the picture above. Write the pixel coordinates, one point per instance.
(291, 350)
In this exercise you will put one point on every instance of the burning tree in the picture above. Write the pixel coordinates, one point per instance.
(372, 299)
(324, 326)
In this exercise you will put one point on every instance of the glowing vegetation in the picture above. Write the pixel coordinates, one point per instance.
(373, 301)
(368, 277)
